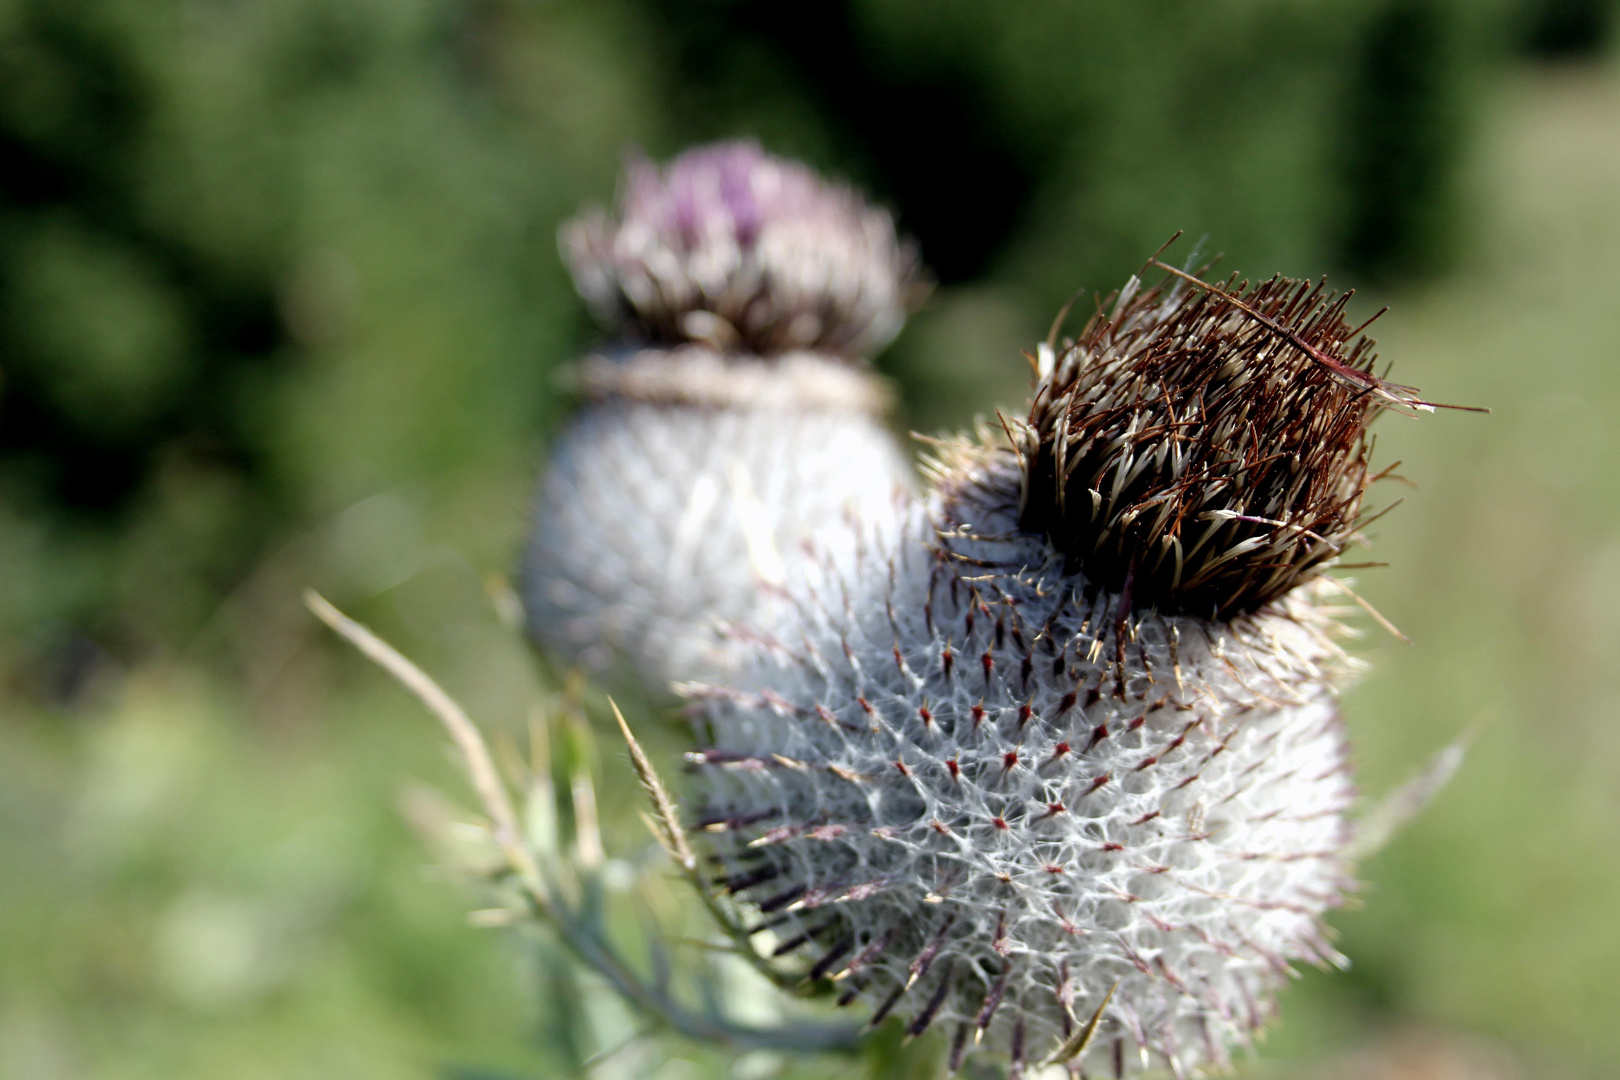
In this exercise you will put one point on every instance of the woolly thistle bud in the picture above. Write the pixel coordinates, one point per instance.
(1070, 744)
(732, 246)
(671, 502)
(694, 474)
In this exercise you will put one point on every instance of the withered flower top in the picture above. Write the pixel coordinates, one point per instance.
(1203, 448)
(733, 247)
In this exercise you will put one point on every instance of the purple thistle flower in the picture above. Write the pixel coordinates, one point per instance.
(733, 247)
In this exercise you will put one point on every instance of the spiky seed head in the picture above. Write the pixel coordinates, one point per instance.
(741, 249)
(972, 785)
(1202, 447)
(675, 500)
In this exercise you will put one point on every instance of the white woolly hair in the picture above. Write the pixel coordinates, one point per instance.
(676, 499)
(1073, 730)
(974, 790)
(733, 247)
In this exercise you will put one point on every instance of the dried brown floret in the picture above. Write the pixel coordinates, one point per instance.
(1203, 448)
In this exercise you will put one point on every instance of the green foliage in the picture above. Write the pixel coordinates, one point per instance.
(292, 254)
(1566, 28)
(1406, 93)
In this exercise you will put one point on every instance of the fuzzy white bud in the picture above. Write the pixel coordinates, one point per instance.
(981, 779)
(675, 499)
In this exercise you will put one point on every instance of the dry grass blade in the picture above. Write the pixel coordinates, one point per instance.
(463, 732)
(670, 831)
(1377, 616)
(1378, 827)
(578, 930)
(1395, 396)
(665, 824)
(1081, 1039)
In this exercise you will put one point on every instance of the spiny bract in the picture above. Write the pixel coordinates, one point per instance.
(974, 785)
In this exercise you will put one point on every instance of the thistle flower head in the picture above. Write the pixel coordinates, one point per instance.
(730, 422)
(735, 247)
(1204, 448)
(1021, 765)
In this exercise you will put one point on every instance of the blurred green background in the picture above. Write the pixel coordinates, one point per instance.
(280, 305)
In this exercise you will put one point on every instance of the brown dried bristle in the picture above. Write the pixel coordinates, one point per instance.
(1204, 448)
